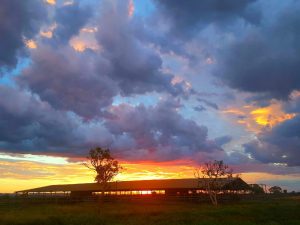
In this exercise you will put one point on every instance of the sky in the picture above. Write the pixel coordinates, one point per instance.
(166, 85)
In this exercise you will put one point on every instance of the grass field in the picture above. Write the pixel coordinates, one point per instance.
(145, 212)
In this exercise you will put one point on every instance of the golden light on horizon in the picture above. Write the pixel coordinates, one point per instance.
(21, 174)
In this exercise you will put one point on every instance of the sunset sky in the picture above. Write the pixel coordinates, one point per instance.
(165, 84)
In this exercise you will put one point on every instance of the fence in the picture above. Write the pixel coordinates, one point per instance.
(90, 199)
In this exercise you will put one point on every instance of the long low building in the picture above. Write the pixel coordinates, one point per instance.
(140, 187)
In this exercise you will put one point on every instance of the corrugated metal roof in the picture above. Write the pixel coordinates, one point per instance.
(193, 183)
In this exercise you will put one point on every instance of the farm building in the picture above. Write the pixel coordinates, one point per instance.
(140, 187)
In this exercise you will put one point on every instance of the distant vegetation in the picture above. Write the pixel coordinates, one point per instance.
(275, 190)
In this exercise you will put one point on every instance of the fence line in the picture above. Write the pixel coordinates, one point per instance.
(191, 198)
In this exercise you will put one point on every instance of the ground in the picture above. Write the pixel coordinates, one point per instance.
(277, 211)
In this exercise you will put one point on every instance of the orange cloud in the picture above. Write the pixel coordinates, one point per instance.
(271, 115)
(85, 40)
(81, 45)
(48, 33)
(30, 44)
(256, 119)
(51, 2)
(78, 45)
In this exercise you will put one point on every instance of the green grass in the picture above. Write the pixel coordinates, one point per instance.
(146, 212)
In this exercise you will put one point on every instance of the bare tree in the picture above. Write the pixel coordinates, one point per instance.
(105, 166)
(212, 172)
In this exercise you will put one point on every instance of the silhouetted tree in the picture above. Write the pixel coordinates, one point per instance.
(105, 166)
(212, 172)
(275, 190)
(257, 189)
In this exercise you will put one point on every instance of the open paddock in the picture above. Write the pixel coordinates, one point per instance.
(147, 211)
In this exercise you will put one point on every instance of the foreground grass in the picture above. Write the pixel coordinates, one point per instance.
(147, 212)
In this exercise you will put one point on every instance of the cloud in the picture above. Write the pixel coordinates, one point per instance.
(29, 124)
(64, 101)
(159, 132)
(223, 140)
(68, 81)
(135, 65)
(70, 19)
(264, 60)
(18, 20)
(278, 145)
(85, 82)
(199, 108)
(293, 105)
(193, 15)
(208, 103)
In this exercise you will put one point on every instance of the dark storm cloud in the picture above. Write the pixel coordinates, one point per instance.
(70, 19)
(86, 82)
(187, 17)
(68, 81)
(265, 61)
(160, 132)
(279, 145)
(18, 20)
(29, 125)
(26, 123)
(135, 65)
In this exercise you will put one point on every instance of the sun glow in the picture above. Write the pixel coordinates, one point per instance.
(28, 171)
(270, 116)
(256, 119)
(36, 171)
